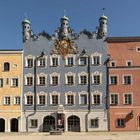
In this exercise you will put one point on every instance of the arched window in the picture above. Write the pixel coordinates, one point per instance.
(6, 66)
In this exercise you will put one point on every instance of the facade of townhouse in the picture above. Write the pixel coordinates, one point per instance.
(124, 83)
(10, 90)
(64, 79)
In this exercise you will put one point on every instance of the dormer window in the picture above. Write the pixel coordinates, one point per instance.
(6, 66)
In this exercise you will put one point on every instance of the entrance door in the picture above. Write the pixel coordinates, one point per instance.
(60, 121)
(74, 124)
(14, 125)
(48, 123)
(2, 125)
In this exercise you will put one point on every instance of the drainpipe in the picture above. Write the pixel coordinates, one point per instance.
(89, 93)
(35, 84)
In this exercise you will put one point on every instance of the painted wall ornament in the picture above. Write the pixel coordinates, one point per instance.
(64, 47)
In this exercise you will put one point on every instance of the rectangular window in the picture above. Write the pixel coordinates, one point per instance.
(128, 99)
(70, 80)
(54, 99)
(29, 100)
(128, 63)
(33, 123)
(113, 80)
(114, 99)
(41, 62)
(96, 60)
(70, 99)
(54, 80)
(120, 123)
(14, 82)
(82, 61)
(96, 79)
(7, 100)
(113, 64)
(17, 100)
(83, 99)
(96, 99)
(95, 123)
(29, 81)
(54, 61)
(41, 99)
(70, 61)
(127, 80)
(29, 62)
(83, 79)
(42, 80)
(1, 82)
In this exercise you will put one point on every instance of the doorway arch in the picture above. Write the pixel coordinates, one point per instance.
(14, 125)
(73, 123)
(48, 123)
(2, 125)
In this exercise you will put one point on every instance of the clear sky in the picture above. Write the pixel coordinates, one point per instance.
(123, 17)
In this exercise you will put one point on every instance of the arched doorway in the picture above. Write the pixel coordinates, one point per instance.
(2, 125)
(48, 123)
(74, 124)
(14, 125)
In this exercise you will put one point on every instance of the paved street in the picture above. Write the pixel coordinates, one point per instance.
(72, 136)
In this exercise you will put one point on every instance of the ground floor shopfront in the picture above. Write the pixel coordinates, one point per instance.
(75, 121)
(10, 121)
(124, 118)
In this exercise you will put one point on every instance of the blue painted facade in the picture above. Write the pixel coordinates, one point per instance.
(92, 44)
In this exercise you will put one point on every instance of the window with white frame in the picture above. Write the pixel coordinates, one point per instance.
(70, 61)
(94, 123)
(128, 99)
(54, 60)
(17, 100)
(127, 80)
(29, 99)
(113, 64)
(33, 123)
(129, 63)
(29, 62)
(41, 99)
(42, 80)
(83, 61)
(7, 100)
(96, 98)
(83, 78)
(54, 80)
(1, 82)
(42, 62)
(114, 99)
(54, 99)
(96, 78)
(14, 82)
(83, 99)
(113, 80)
(120, 123)
(29, 80)
(70, 99)
(96, 59)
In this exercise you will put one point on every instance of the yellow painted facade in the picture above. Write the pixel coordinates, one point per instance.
(10, 89)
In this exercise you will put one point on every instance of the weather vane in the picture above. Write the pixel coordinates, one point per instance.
(103, 11)
(25, 14)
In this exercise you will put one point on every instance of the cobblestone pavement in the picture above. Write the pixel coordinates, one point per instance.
(72, 136)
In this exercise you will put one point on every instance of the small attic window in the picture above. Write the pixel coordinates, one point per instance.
(138, 49)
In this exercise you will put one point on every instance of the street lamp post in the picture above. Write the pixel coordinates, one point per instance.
(35, 84)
